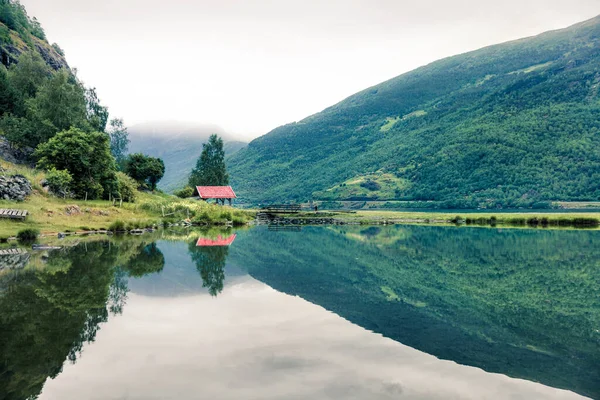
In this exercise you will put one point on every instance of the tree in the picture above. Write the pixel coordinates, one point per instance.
(119, 140)
(149, 260)
(210, 263)
(155, 170)
(60, 104)
(145, 169)
(210, 168)
(9, 97)
(97, 114)
(86, 156)
(28, 75)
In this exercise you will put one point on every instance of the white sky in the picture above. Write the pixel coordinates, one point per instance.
(252, 65)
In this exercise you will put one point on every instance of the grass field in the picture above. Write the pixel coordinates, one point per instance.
(50, 214)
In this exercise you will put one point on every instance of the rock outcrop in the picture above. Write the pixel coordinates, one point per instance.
(15, 187)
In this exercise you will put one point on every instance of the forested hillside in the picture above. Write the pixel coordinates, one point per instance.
(48, 117)
(511, 125)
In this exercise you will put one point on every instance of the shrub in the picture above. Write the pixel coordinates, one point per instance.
(28, 235)
(226, 215)
(127, 187)
(59, 182)
(202, 217)
(117, 226)
(185, 192)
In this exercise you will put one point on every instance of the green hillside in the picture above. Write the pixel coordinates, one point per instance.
(515, 124)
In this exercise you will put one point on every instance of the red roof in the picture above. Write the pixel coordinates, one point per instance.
(216, 192)
(219, 241)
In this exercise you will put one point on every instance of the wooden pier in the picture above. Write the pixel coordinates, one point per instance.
(281, 209)
(10, 252)
(13, 214)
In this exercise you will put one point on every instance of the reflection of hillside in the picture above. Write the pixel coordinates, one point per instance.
(523, 303)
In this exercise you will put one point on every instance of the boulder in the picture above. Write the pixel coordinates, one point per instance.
(15, 187)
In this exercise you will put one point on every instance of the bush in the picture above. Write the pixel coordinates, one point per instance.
(28, 235)
(185, 192)
(127, 187)
(117, 226)
(59, 182)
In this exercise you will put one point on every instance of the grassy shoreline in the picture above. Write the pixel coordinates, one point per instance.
(49, 216)
(539, 219)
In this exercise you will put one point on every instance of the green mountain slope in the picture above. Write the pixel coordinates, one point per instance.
(179, 145)
(509, 125)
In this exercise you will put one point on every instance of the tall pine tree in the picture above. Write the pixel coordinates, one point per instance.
(210, 168)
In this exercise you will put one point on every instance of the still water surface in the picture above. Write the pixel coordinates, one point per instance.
(403, 312)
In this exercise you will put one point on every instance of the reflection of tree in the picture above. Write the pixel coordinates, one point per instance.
(210, 262)
(149, 260)
(118, 292)
(47, 316)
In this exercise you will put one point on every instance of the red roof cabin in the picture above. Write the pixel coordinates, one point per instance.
(219, 193)
(219, 241)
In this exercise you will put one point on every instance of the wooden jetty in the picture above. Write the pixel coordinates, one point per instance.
(13, 214)
(10, 252)
(281, 209)
(285, 228)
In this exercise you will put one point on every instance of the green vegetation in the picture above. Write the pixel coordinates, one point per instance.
(48, 116)
(48, 213)
(365, 187)
(28, 235)
(119, 141)
(59, 182)
(511, 125)
(185, 192)
(86, 156)
(15, 17)
(146, 170)
(179, 145)
(210, 168)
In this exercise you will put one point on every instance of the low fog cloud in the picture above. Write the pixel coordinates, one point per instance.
(250, 66)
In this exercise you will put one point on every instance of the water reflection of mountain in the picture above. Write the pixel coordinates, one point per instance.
(518, 302)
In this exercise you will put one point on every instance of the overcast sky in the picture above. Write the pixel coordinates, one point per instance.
(252, 65)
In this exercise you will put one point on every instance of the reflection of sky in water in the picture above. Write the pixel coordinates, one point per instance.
(252, 342)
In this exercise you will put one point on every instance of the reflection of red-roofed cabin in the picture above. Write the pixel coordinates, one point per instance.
(219, 193)
(219, 241)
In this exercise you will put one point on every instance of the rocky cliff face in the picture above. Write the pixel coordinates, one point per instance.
(13, 45)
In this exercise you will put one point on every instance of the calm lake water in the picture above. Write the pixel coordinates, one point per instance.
(404, 312)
